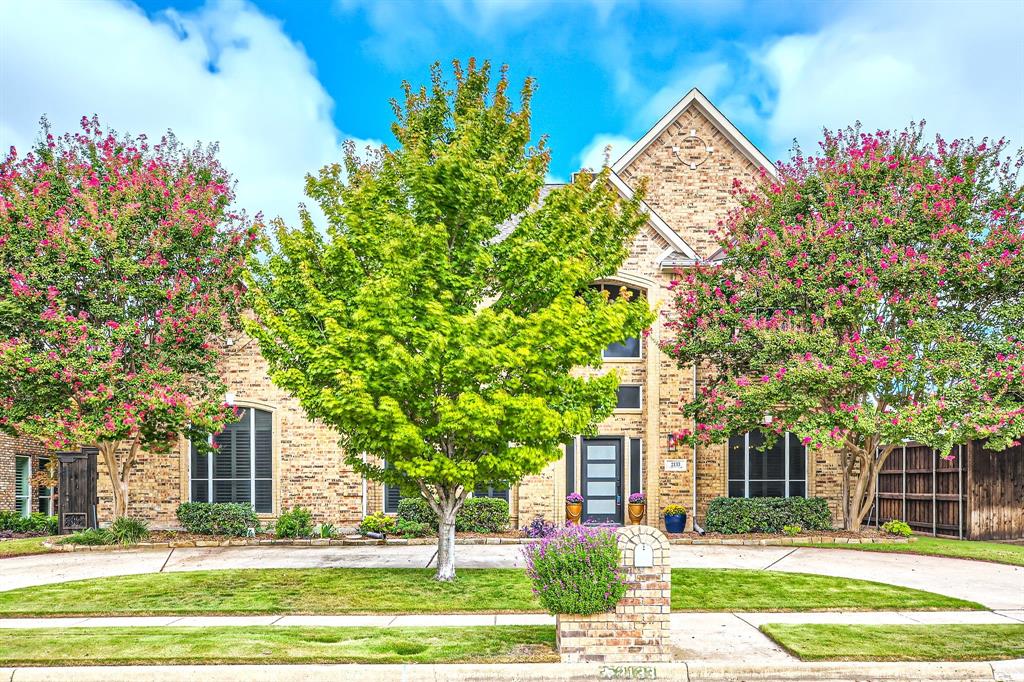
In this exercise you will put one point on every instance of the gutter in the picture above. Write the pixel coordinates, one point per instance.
(694, 468)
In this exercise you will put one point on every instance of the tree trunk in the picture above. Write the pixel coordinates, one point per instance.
(446, 547)
(119, 472)
(859, 497)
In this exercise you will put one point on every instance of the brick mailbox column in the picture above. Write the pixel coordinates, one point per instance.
(638, 628)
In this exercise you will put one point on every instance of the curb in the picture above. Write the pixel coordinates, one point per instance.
(344, 542)
(696, 671)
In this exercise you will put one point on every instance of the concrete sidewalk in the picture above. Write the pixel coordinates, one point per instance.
(689, 671)
(996, 586)
(695, 636)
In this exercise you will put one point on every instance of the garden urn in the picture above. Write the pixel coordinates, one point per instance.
(573, 507)
(637, 508)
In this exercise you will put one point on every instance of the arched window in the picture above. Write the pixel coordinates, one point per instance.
(629, 348)
(241, 470)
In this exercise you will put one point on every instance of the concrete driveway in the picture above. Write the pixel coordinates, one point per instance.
(996, 586)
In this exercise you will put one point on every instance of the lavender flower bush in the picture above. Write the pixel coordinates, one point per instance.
(539, 528)
(576, 570)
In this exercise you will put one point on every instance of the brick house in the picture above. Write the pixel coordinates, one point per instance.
(275, 457)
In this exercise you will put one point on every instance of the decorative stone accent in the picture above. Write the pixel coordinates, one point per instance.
(638, 629)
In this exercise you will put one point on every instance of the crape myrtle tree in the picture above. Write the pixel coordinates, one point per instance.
(872, 294)
(120, 264)
(441, 352)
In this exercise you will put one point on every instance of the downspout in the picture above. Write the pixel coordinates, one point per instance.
(364, 488)
(694, 486)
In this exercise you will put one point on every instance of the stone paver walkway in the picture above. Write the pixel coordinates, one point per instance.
(997, 586)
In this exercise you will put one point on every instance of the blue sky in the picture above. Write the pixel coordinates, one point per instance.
(279, 84)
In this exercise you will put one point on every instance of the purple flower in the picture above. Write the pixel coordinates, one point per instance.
(637, 498)
(574, 498)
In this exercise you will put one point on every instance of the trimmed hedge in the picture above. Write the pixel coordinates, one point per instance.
(217, 518)
(478, 514)
(767, 514)
(37, 522)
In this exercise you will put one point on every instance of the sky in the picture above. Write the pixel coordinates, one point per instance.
(279, 84)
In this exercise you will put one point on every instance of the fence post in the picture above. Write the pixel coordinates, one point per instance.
(960, 491)
(903, 504)
(935, 510)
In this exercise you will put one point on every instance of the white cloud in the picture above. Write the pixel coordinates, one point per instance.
(957, 66)
(225, 73)
(593, 155)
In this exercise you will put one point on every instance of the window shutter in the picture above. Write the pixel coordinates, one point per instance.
(392, 494)
(570, 466)
(635, 480)
(264, 458)
(491, 491)
(200, 469)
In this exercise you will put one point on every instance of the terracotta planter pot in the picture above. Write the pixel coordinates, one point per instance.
(573, 512)
(637, 512)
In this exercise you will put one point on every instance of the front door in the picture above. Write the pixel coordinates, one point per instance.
(602, 480)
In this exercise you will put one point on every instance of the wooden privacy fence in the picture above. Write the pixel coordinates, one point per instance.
(977, 494)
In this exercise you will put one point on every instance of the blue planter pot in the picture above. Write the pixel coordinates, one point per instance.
(675, 523)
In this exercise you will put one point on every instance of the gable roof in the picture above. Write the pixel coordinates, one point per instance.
(656, 221)
(696, 98)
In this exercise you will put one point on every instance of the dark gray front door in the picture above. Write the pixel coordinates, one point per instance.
(602, 480)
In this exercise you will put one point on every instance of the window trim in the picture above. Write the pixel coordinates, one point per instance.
(631, 410)
(275, 464)
(787, 481)
(27, 498)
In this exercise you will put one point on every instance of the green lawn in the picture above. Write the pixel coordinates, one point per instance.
(407, 590)
(23, 547)
(899, 642)
(961, 549)
(268, 644)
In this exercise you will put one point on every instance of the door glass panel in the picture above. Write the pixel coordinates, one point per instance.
(605, 488)
(600, 452)
(600, 471)
(600, 506)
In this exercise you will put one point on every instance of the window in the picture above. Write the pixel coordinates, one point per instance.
(778, 472)
(22, 489)
(627, 397)
(241, 470)
(392, 494)
(45, 493)
(628, 348)
(500, 492)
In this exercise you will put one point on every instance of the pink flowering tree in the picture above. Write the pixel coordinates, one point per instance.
(869, 295)
(120, 266)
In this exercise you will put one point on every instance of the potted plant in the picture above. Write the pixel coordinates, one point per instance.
(573, 507)
(637, 508)
(675, 518)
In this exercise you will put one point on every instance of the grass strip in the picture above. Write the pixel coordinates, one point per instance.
(23, 547)
(268, 644)
(413, 591)
(899, 642)
(994, 552)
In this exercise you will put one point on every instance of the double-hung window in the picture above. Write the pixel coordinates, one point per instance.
(777, 472)
(629, 348)
(45, 493)
(241, 469)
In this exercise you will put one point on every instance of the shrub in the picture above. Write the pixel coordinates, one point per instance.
(36, 523)
(478, 514)
(767, 514)
(897, 527)
(539, 528)
(128, 531)
(576, 570)
(411, 529)
(326, 530)
(296, 522)
(89, 536)
(220, 518)
(792, 530)
(378, 523)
